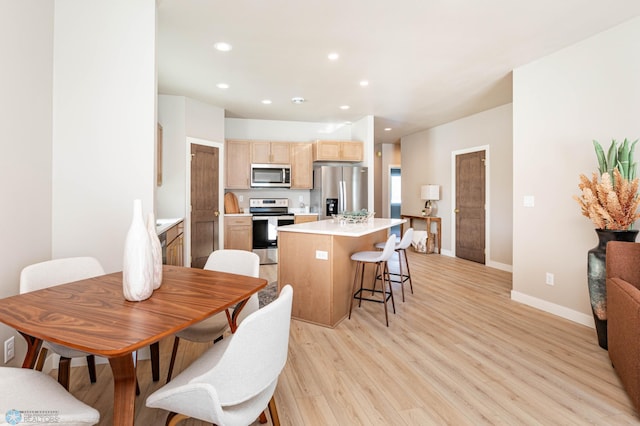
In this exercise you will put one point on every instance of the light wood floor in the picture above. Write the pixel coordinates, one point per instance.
(458, 351)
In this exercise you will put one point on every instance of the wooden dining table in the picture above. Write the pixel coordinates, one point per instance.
(93, 316)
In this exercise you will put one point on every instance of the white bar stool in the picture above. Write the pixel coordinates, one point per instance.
(401, 249)
(380, 259)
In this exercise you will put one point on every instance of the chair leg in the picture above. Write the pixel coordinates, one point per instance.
(393, 302)
(175, 418)
(384, 293)
(273, 410)
(64, 371)
(91, 366)
(353, 290)
(400, 270)
(155, 360)
(263, 418)
(41, 359)
(176, 342)
(406, 262)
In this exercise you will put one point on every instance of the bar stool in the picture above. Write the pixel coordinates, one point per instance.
(380, 259)
(401, 249)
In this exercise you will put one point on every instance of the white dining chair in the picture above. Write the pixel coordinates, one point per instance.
(234, 381)
(212, 329)
(51, 273)
(31, 397)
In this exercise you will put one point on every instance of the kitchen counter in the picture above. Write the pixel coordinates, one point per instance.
(315, 258)
(334, 227)
(162, 225)
(237, 214)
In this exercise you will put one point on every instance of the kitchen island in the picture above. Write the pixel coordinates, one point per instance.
(315, 258)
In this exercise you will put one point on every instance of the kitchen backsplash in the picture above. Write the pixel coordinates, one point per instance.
(298, 199)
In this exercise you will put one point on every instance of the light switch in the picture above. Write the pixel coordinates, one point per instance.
(528, 201)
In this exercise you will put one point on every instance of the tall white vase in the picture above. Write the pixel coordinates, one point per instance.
(156, 251)
(137, 271)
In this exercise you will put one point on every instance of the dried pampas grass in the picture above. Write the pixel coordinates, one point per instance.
(609, 206)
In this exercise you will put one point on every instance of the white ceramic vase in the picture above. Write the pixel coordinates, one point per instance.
(156, 251)
(137, 271)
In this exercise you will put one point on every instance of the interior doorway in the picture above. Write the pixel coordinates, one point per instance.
(470, 204)
(395, 198)
(205, 212)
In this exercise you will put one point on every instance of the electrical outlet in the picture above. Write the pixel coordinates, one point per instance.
(9, 349)
(549, 279)
(240, 198)
(322, 255)
(301, 198)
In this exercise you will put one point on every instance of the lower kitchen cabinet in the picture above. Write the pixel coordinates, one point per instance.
(238, 232)
(174, 251)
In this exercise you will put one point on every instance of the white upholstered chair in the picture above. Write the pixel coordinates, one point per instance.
(212, 329)
(51, 273)
(401, 248)
(28, 392)
(234, 380)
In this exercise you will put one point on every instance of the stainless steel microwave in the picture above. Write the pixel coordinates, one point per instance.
(271, 175)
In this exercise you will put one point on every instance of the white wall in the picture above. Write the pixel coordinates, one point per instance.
(171, 195)
(426, 159)
(561, 103)
(295, 131)
(104, 124)
(26, 74)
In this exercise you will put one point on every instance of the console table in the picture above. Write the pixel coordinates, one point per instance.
(428, 219)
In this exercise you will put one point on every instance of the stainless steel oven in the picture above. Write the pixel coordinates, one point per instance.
(268, 214)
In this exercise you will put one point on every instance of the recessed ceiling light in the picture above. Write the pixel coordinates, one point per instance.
(333, 56)
(222, 86)
(387, 129)
(297, 100)
(364, 83)
(222, 46)
(266, 101)
(345, 107)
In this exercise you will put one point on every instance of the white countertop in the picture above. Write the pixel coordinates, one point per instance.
(333, 227)
(163, 224)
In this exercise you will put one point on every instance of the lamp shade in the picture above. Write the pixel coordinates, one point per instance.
(430, 192)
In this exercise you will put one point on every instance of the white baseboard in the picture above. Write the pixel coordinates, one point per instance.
(501, 266)
(552, 308)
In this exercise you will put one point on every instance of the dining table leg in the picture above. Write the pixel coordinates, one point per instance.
(124, 390)
(33, 349)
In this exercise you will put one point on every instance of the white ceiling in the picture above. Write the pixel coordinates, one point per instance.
(428, 62)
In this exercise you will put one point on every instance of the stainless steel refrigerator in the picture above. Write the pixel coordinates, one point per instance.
(337, 189)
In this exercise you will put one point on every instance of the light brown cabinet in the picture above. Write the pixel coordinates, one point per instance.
(338, 151)
(237, 164)
(270, 152)
(238, 232)
(302, 218)
(174, 251)
(301, 165)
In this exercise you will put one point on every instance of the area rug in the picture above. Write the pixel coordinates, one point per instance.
(268, 294)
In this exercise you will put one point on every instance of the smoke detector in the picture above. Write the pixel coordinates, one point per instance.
(297, 100)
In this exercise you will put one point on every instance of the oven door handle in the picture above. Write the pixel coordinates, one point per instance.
(260, 217)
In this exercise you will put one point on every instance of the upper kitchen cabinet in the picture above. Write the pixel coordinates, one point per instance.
(270, 152)
(338, 151)
(237, 162)
(301, 165)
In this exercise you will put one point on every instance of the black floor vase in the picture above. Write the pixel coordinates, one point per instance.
(596, 273)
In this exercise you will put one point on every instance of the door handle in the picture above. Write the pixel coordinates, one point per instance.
(456, 211)
(216, 213)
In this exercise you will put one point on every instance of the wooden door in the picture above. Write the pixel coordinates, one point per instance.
(470, 206)
(204, 203)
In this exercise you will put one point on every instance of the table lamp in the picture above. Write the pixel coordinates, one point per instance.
(429, 193)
